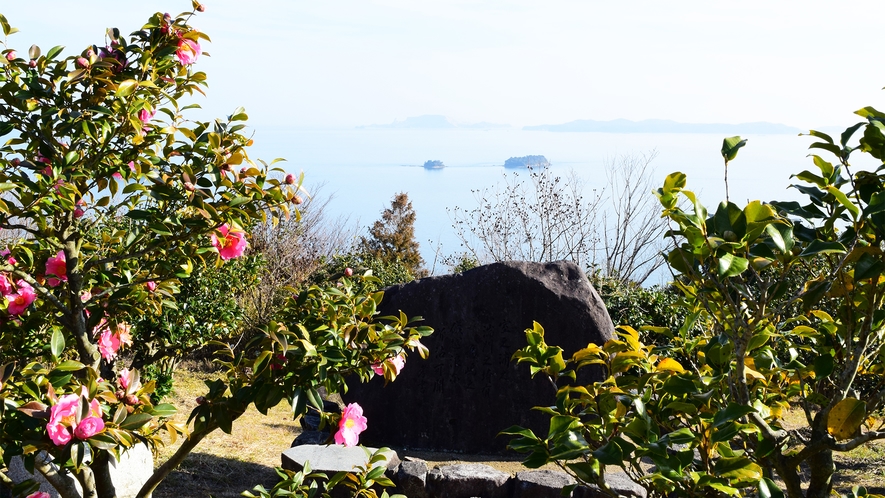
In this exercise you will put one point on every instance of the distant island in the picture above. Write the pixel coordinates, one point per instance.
(527, 161)
(665, 126)
(433, 122)
(434, 164)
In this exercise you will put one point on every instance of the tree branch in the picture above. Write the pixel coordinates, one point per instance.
(64, 484)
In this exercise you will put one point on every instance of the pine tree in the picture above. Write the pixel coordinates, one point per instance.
(392, 237)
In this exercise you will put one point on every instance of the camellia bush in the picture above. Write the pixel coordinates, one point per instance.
(111, 196)
(784, 313)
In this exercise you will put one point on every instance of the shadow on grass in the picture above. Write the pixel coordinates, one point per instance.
(202, 475)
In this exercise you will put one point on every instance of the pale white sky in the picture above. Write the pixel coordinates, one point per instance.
(356, 62)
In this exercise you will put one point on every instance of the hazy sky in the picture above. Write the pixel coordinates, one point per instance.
(356, 62)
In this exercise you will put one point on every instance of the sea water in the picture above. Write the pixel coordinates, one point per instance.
(365, 168)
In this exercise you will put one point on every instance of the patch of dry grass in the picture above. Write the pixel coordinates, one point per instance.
(224, 465)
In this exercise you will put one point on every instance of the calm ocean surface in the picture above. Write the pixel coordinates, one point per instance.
(365, 168)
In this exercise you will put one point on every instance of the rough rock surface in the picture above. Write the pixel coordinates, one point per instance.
(619, 483)
(128, 475)
(411, 478)
(467, 480)
(540, 484)
(469, 389)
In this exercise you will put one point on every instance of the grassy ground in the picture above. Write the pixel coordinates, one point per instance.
(225, 465)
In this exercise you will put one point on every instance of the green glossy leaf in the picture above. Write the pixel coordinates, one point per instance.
(70, 366)
(739, 468)
(868, 266)
(730, 147)
(823, 366)
(731, 265)
(57, 343)
(843, 199)
(732, 412)
(126, 88)
(821, 247)
(134, 422)
(768, 489)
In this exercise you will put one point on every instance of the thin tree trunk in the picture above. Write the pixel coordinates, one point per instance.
(822, 470)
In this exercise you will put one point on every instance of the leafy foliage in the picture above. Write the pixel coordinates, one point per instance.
(316, 484)
(789, 300)
(118, 199)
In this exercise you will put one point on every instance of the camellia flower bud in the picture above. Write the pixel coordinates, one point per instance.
(82, 62)
(11, 55)
(226, 167)
(189, 186)
(297, 200)
(32, 63)
(16, 161)
(290, 179)
(120, 394)
(132, 399)
(348, 272)
(201, 8)
(201, 400)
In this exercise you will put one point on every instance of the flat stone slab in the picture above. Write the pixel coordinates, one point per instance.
(540, 484)
(332, 458)
(135, 467)
(468, 480)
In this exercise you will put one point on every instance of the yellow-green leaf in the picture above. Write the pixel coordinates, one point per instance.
(845, 418)
(126, 88)
(669, 365)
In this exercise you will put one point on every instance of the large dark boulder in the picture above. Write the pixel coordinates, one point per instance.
(469, 389)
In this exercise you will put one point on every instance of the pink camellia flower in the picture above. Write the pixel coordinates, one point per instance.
(233, 245)
(108, 344)
(110, 341)
(351, 425)
(21, 298)
(117, 175)
(126, 377)
(132, 165)
(396, 363)
(124, 333)
(56, 266)
(39, 494)
(5, 284)
(151, 285)
(65, 410)
(145, 115)
(188, 51)
(58, 433)
(6, 253)
(85, 296)
(64, 417)
(88, 427)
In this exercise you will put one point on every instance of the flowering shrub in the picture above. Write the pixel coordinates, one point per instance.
(783, 306)
(111, 196)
